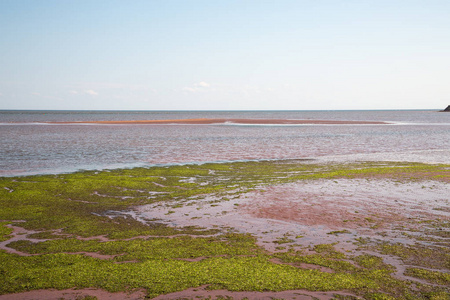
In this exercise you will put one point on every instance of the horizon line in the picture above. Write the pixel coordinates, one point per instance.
(219, 110)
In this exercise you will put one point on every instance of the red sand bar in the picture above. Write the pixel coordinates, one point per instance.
(232, 121)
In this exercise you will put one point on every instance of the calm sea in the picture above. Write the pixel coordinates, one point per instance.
(30, 146)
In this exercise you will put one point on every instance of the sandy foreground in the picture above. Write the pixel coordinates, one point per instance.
(306, 214)
(303, 214)
(228, 121)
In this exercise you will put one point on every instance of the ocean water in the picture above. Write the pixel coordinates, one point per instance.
(29, 145)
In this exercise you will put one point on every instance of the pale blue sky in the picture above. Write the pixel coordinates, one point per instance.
(211, 54)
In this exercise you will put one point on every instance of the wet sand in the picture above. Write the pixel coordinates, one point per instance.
(317, 212)
(199, 292)
(203, 293)
(73, 294)
(206, 121)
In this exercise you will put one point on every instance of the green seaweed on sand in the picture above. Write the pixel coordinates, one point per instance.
(4, 231)
(159, 276)
(183, 247)
(67, 209)
(432, 276)
(418, 255)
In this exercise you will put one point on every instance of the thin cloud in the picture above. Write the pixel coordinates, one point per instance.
(190, 89)
(201, 86)
(83, 92)
(91, 92)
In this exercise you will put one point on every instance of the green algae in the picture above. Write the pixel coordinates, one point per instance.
(162, 259)
(368, 268)
(418, 255)
(372, 262)
(336, 232)
(432, 276)
(4, 231)
(183, 247)
(157, 276)
(299, 257)
(45, 235)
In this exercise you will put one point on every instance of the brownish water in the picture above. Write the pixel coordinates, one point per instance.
(30, 146)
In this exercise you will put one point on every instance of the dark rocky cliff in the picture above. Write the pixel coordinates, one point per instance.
(447, 109)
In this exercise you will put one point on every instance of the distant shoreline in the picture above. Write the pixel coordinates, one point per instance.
(227, 121)
(9, 110)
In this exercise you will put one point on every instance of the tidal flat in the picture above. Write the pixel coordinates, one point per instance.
(286, 229)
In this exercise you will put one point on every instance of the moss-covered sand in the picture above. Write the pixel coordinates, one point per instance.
(78, 239)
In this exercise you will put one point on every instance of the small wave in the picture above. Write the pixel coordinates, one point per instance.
(294, 125)
(418, 124)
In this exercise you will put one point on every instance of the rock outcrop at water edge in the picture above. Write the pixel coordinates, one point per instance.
(447, 109)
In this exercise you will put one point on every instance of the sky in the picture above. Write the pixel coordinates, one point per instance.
(224, 55)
